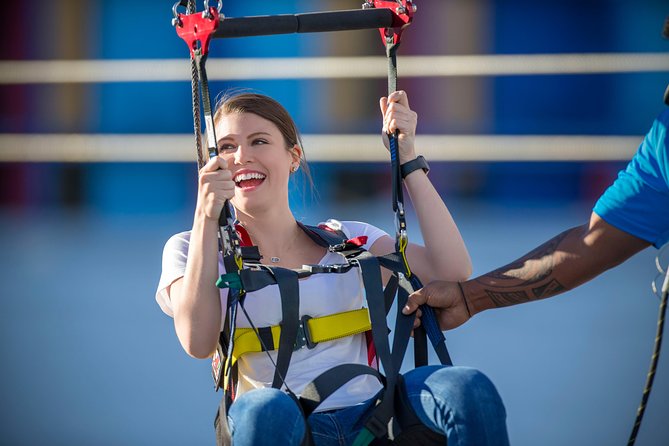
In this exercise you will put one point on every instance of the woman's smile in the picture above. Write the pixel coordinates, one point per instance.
(248, 180)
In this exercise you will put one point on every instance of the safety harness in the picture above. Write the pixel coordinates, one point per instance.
(297, 332)
(391, 416)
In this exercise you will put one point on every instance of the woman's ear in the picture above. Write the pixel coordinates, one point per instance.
(296, 154)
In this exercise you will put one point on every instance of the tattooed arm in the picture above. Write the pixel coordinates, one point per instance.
(562, 263)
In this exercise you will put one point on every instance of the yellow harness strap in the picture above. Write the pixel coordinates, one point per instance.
(318, 329)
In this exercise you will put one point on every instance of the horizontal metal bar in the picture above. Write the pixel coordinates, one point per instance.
(167, 70)
(325, 148)
(312, 22)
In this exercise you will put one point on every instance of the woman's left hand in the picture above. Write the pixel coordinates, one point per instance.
(398, 116)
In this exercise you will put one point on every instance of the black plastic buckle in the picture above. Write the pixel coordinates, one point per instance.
(376, 426)
(303, 336)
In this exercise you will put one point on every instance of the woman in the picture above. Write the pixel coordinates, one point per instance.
(259, 149)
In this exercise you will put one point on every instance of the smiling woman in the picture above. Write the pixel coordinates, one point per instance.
(250, 126)
(259, 148)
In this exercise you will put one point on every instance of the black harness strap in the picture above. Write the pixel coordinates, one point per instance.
(323, 237)
(403, 324)
(431, 327)
(330, 381)
(290, 314)
(377, 423)
(389, 292)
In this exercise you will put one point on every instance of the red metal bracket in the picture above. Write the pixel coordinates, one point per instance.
(403, 12)
(197, 27)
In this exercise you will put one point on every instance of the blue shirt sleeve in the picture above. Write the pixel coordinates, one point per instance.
(638, 201)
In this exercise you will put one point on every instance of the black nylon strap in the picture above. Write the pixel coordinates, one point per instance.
(266, 338)
(389, 292)
(329, 381)
(396, 179)
(290, 316)
(429, 322)
(250, 254)
(393, 262)
(438, 341)
(257, 279)
(323, 237)
(403, 324)
(419, 346)
(371, 276)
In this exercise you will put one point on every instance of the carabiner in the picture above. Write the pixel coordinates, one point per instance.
(206, 14)
(176, 21)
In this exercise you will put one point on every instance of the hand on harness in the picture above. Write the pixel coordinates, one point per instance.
(446, 298)
(398, 117)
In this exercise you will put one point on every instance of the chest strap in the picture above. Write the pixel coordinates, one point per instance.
(311, 331)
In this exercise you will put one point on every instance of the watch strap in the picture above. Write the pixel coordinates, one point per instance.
(417, 163)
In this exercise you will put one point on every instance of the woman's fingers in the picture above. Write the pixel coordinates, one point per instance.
(399, 96)
(215, 186)
(214, 164)
(399, 118)
(383, 104)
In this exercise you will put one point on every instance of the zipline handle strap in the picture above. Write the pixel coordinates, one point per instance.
(391, 38)
(197, 29)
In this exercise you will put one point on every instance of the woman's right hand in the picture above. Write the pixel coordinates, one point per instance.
(215, 186)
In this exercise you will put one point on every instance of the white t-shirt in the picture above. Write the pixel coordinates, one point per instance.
(320, 295)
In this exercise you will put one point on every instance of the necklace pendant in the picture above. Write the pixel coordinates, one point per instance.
(274, 259)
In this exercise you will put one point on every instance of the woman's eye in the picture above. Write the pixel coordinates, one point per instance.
(226, 148)
(259, 141)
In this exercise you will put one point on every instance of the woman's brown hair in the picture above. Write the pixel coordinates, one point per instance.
(269, 109)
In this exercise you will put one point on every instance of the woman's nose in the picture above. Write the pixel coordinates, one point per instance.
(242, 154)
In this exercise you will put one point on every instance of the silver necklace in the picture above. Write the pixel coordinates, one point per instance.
(274, 259)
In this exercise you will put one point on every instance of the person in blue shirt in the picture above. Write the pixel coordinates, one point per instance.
(631, 215)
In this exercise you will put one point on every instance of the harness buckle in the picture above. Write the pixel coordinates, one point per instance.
(337, 268)
(303, 335)
(376, 426)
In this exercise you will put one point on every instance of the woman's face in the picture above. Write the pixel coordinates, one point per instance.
(258, 158)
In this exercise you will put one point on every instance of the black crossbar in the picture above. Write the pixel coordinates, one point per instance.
(312, 22)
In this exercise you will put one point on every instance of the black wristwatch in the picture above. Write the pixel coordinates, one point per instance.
(416, 163)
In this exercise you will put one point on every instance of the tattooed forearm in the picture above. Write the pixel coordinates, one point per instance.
(549, 289)
(503, 299)
(529, 278)
(534, 266)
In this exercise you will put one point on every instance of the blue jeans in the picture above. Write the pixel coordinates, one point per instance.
(459, 402)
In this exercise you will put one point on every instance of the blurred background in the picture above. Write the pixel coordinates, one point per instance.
(527, 110)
